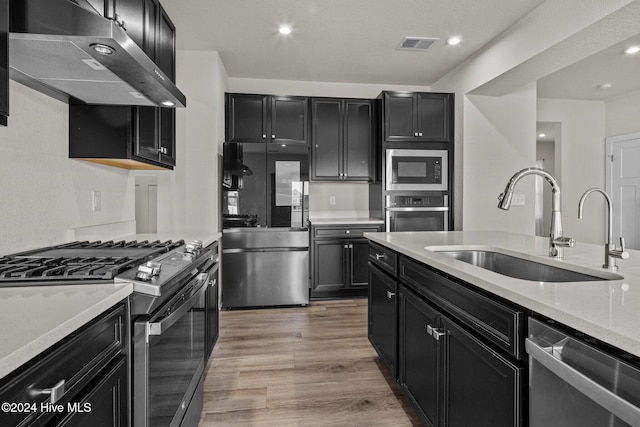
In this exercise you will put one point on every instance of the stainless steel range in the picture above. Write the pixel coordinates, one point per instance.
(169, 333)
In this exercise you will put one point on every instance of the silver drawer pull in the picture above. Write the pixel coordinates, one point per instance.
(437, 334)
(390, 294)
(379, 256)
(56, 392)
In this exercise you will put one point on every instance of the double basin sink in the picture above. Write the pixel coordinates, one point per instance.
(521, 266)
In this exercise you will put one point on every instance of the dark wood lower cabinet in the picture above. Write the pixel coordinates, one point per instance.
(451, 377)
(383, 317)
(483, 387)
(103, 403)
(421, 358)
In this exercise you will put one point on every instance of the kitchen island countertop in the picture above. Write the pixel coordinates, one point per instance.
(346, 221)
(608, 310)
(34, 318)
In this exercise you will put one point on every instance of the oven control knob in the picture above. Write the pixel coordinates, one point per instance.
(148, 270)
(193, 247)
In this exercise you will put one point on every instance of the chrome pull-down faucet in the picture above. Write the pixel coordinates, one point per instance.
(611, 252)
(557, 242)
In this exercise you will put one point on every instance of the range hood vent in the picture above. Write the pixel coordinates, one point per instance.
(417, 43)
(55, 48)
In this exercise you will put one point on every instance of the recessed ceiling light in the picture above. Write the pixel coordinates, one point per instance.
(284, 29)
(631, 50)
(454, 41)
(168, 103)
(541, 135)
(605, 86)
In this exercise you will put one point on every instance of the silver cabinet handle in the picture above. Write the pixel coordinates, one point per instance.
(435, 333)
(390, 294)
(419, 133)
(273, 136)
(163, 150)
(264, 136)
(347, 231)
(346, 246)
(415, 134)
(56, 392)
(613, 403)
(379, 256)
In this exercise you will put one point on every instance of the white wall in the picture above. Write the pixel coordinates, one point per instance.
(622, 114)
(188, 196)
(499, 140)
(582, 164)
(352, 199)
(44, 193)
(551, 37)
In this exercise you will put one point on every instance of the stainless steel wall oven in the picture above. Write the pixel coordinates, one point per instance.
(417, 212)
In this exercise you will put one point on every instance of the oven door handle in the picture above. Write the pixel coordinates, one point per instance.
(157, 328)
(433, 209)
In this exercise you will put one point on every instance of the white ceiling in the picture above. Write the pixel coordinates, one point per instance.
(581, 80)
(350, 41)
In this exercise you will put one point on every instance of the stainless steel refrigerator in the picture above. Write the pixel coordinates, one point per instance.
(265, 210)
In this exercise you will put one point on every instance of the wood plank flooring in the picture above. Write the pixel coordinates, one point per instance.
(305, 366)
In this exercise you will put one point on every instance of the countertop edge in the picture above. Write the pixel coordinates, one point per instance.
(36, 346)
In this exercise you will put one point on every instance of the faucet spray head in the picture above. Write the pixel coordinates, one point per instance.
(505, 199)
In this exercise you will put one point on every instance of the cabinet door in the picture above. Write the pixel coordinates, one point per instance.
(329, 265)
(4, 61)
(383, 317)
(104, 403)
(326, 150)
(247, 118)
(399, 117)
(132, 12)
(358, 140)
(433, 117)
(165, 46)
(147, 133)
(151, 13)
(420, 357)
(167, 136)
(289, 119)
(359, 254)
(484, 389)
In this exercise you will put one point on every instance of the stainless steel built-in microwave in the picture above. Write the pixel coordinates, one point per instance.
(417, 170)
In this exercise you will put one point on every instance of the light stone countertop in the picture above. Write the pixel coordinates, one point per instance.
(346, 221)
(608, 310)
(34, 318)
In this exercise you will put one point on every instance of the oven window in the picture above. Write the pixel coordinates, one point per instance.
(418, 221)
(174, 359)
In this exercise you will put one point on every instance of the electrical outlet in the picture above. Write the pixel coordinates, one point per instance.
(96, 199)
(517, 200)
(332, 200)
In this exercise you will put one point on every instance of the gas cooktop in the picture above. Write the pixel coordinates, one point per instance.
(79, 261)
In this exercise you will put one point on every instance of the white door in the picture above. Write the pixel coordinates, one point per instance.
(623, 184)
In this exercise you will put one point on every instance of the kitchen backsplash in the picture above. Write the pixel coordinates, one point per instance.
(328, 199)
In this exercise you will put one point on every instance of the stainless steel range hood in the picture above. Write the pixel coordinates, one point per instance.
(54, 48)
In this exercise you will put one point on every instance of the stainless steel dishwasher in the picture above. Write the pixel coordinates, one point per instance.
(265, 267)
(572, 382)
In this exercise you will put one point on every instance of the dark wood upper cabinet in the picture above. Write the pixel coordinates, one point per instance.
(165, 44)
(342, 138)
(417, 116)
(4, 61)
(267, 118)
(131, 13)
(126, 137)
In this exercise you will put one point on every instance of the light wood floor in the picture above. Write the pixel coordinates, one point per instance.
(306, 366)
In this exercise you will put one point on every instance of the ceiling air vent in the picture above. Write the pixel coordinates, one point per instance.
(417, 43)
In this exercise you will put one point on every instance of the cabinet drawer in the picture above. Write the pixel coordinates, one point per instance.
(383, 257)
(76, 361)
(344, 231)
(499, 323)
